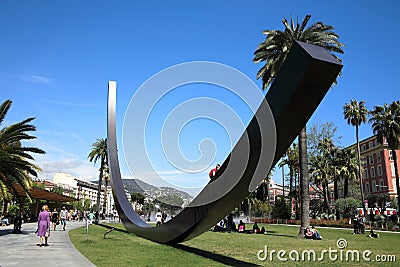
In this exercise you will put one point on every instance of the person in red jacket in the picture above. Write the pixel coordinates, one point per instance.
(213, 172)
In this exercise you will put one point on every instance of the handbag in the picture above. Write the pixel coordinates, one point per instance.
(58, 222)
(47, 234)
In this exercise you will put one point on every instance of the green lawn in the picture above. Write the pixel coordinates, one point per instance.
(221, 249)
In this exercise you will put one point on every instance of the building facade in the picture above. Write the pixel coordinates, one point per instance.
(85, 190)
(378, 167)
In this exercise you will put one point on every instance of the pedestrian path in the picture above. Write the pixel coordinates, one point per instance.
(22, 250)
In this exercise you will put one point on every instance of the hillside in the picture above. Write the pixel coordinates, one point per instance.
(136, 185)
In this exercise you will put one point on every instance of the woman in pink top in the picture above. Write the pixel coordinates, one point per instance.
(44, 225)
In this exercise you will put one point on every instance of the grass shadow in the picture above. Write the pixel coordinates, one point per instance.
(215, 257)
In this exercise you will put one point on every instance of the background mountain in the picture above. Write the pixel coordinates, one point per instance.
(136, 185)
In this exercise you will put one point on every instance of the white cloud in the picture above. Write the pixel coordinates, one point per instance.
(37, 79)
(79, 169)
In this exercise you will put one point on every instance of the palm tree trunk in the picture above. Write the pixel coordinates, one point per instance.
(336, 192)
(325, 188)
(283, 183)
(304, 183)
(396, 172)
(291, 179)
(99, 185)
(335, 187)
(291, 187)
(296, 197)
(360, 171)
(5, 206)
(105, 197)
(346, 187)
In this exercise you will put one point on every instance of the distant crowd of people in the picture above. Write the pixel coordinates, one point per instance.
(228, 225)
(50, 220)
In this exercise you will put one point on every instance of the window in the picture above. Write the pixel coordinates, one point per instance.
(370, 144)
(371, 159)
(366, 174)
(390, 155)
(372, 172)
(392, 169)
(363, 147)
(380, 170)
(374, 187)
(367, 188)
(381, 187)
(378, 157)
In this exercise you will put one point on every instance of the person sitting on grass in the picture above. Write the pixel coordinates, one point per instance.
(241, 227)
(312, 233)
(372, 234)
(308, 233)
(256, 229)
(317, 236)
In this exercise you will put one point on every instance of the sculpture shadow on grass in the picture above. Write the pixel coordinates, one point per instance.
(215, 257)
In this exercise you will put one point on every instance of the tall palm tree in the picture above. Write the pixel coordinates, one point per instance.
(274, 51)
(15, 159)
(330, 152)
(356, 113)
(99, 152)
(320, 173)
(386, 125)
(348, 168)
(292, 161)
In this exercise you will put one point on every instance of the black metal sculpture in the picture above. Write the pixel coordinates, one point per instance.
(306, 75)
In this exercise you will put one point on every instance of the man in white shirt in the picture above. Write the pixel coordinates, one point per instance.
(63, 217)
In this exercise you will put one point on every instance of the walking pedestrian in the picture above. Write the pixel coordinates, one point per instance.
(43, 226)
(63, 217)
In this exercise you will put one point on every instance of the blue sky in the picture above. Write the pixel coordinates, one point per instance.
(56, 58)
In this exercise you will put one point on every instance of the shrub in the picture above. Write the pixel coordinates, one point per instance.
(13, 210)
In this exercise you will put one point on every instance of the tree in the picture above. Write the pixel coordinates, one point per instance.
(15, 159)
(281, 209)
(292, 161)
(347, 206)
(386, 126)
(348, 167)
(137, 198)
(333, 156)
(99, 152)
(320, 170)
(274, 51)
(356, 113)
(317, 132)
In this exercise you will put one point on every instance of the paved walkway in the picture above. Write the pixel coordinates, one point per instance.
(21, 249)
